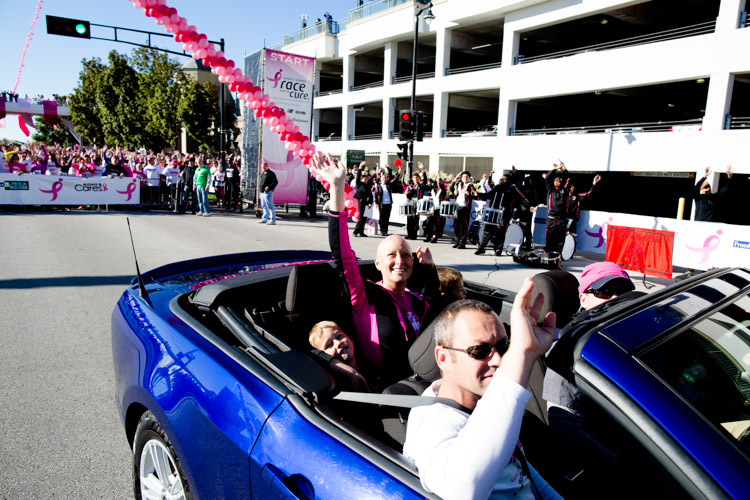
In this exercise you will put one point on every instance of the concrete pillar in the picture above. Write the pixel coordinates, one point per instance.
(718, 101)
(729, 15)
(388, 118)
(390, 56)
(439, 115)
(511, 42)
(442, 51)
(347, 123)
(348, 72)
(316, 124)
(506, 116)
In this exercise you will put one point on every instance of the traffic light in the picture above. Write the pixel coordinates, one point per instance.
(404, 153)
(68, 27)
(419, 126)
(406, 125)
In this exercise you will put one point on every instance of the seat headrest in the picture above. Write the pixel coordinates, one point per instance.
(311, 286)
(422, 355)
(560, 290)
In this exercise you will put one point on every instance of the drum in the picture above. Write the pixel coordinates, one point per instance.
(513, 239)
(447, 209)
(407, 209)
(551, 260)
(425, 206)
(493, 216)
(476, 231)
(569, 247)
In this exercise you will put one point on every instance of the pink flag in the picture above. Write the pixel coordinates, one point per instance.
(23, 126)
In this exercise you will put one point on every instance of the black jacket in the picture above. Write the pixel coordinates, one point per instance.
(268, 180)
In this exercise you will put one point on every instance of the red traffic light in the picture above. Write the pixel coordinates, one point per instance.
(406, 116)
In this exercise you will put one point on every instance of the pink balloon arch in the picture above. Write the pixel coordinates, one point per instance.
(273, 117)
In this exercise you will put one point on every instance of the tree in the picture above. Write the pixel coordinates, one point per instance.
(162, 79)
(197, 111)
(119, 103)
(84, 110)
(51, 134)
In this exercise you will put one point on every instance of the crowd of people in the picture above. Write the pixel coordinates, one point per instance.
(513, 197)
(11, 96)
(176, 180)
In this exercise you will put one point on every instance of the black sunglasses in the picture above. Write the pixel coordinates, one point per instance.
(606, 293)
(483, 351)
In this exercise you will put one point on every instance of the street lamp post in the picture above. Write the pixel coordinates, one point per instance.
(419, 9)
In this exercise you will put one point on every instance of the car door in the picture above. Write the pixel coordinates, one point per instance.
(300, 455)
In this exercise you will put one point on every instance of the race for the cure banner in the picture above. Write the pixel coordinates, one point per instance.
(289, 84)
(30, 189)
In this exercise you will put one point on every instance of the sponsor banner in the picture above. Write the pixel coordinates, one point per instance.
(647, 251)
(697, 245)
(28, 189)
(288, 82)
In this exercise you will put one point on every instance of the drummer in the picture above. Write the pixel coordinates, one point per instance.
(414, 192)
(507, 197)
(435, 223)
(464, 192)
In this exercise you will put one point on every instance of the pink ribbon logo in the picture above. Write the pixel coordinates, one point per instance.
(129, 191)
(276, 78)
(56, 187)
(709, 245)
(287, 168)
(600, 234)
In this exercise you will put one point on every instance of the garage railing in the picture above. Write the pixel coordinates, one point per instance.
(618, 128)
(661, 36)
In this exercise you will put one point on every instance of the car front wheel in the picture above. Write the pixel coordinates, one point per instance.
(156, 471)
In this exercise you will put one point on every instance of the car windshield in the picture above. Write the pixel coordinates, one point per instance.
(709, 366)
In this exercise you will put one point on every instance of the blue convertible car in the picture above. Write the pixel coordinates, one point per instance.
(220, 396)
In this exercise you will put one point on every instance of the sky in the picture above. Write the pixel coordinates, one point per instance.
(53, 62)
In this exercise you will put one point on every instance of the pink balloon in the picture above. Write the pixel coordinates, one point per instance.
(201, 53)
(306, 144)
(281, 128)
(211, 50)
(258, 95)
(230, 78)
(283, 118)
(302, 153)
(318, 177)
(222, 79)
(203, 43)
(175, 19)
(349, 203)
(255, 104)
(192, 28)
(288, 146)
(274, 119)
(296, 146)
(238, 73)
(137, 4)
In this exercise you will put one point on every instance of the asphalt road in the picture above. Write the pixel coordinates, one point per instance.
(62, 274)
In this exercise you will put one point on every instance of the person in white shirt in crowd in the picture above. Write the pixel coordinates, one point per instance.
(217, 181)
(473, 452)
(171, 173)
(152, 173)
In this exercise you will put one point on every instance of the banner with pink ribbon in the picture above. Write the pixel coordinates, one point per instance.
(30, 189)
(289, 82)
(697, 245)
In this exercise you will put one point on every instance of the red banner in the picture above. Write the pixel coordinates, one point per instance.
(648, 251)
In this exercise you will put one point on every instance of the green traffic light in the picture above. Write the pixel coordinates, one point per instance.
(80, 28)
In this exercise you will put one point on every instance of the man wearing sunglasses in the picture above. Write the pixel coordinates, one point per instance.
(473, 452)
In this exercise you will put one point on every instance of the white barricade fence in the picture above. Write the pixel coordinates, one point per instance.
(30, 189)
(697, 245)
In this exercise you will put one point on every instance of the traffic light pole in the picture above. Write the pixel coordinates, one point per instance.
(418, 10)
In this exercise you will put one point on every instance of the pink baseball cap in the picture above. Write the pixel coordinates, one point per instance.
(598, 274)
